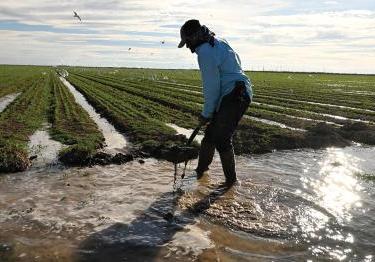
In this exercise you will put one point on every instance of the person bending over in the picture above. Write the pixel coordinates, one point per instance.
(227, 94)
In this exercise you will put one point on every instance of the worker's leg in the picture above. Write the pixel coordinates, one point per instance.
(225, 123)
(229, 166)
(206, 155)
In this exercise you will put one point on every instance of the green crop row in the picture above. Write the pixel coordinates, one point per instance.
(14, 79)
(287, 100)
(142, 129)
(152, 109)
(264, 136)
(44, 99)
(179, 99)
(167, 99)
(20, 120)
(258, 112)
(321, 109)
(72, 125)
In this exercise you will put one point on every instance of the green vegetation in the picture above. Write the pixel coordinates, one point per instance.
(44, 98)
(161, 86)
(139, 118)
(20, 120)
(14, 79)
(332, 109)
(71, 125)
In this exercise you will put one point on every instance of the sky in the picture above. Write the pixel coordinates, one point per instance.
(288, 35)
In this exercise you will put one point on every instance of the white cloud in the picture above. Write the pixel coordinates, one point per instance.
(266, 33)
(331, 2)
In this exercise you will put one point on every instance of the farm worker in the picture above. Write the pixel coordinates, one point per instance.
(227, 95)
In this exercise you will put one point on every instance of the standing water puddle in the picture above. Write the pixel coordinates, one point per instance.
(6, 100)
(291, 206)
(43, 147)
(113, 139)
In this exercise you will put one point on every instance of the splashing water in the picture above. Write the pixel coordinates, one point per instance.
(291, 205)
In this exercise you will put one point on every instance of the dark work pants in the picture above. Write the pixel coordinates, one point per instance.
(220, 130)
(225, 121)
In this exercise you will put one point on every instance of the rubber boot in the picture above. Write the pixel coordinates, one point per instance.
(229, 167)
(206, 154)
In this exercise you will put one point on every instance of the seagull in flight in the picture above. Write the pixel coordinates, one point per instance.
(76, 15)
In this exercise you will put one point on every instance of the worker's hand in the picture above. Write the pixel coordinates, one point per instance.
(203, 120)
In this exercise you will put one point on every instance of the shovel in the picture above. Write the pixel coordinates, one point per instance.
(191, 138)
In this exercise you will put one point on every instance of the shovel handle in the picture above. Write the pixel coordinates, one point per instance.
(193, 135)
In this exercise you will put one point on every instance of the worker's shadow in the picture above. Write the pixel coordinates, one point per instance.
(145, 237)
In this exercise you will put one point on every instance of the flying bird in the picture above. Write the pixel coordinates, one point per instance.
(76, 15)
(129, 48)
(163, 42)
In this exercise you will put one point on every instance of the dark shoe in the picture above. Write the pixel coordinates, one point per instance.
(229, 167)
(200, 173)
(206, 155)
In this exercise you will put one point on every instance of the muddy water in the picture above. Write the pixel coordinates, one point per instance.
(115, 142)
(43, 148)
(290, 206)
(6, 100)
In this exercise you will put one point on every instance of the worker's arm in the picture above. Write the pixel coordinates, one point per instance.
(211, 80)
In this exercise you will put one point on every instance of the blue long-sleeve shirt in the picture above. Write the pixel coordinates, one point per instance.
(220, 68)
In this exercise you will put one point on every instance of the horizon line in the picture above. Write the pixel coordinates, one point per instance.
(155, 68)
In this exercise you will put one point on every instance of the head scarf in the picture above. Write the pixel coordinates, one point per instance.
(204, 35)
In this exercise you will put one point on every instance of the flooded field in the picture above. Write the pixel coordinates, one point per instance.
(291, 205)
(114, 140)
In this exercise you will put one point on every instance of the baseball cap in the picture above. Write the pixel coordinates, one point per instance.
(188, 29)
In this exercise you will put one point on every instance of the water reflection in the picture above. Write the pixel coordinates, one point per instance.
(337, 187)
(291, 206)
(337, 192)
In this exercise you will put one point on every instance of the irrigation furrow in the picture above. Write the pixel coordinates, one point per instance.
(139, 129)
(319, 97)
(301, 118)
(253, 112)
(180, 104)
(273, 123)
(362, 93)
(87, 125)
(199, 100)
(338, 117)
(315, 113)
(19, 121)
(321, 104)
(151, 108)
(6, 100)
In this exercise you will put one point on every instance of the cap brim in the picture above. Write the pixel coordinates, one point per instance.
(181, 44)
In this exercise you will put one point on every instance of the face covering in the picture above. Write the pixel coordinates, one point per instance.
(204, 35)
